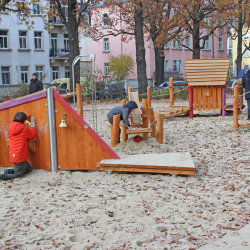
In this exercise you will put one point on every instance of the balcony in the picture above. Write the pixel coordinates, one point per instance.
(59, 53)
(56, 21)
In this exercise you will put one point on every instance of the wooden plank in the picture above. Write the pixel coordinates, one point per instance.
(198, 97)
(139, 130)
(159, 129)
(244, 125)
(160, 171)
(219, 98)
(79, 99)
(212, 61)
(151, 120)
(180, 107)
(145, 116)
(210, 83)
(214, 97)
(201, 73)
(204, 98)
(175, 115)
(194, 98)
(135, 115)
(206, 76)
(135, 125)
(235, 108)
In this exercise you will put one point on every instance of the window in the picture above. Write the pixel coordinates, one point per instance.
(65, 9)
(67, 72)
(3, 39)
(206, 20)
(22, 40)
(207, 44)
(177, 65)
(173, 12)
(187, 42)
(24, 74)
(105, 20)
(166, 46)
(220, 43)
(54, 42)
(176, 44)
(39, 71)
(55, 72)
(20, 6)
(5, 75)
(38, 40)
(166, 65)
(36, 10)
(106, 44)
(106, 69)
(66, 41)
(246, 54)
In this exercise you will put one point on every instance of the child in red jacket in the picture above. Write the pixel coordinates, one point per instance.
(19, 134)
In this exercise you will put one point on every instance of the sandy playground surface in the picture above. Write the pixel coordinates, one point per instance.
(91, 210)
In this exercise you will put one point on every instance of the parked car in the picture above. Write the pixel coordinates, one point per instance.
(111, 90)
(165, 85)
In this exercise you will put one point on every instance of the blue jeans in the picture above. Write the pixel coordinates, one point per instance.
(248, 108)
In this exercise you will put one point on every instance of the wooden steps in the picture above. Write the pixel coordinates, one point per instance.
(169, 163)
(139, 130)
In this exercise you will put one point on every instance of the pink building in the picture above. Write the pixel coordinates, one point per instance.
(175, 56)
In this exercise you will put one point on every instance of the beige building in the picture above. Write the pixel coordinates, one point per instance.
(245, 57)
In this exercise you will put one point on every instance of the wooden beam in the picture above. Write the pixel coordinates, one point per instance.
(180, 107)
(235, 107)
(151, 120)
(171, 91)
(244, 125)
(145, 116)
(66, 96)
(115, 131)
(149, 96)
(79, 99)
(177, 114)
(124, 128)
(160, 128)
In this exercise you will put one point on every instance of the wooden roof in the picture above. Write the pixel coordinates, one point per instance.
(207, 72)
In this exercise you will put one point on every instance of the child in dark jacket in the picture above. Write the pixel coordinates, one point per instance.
(123, 111)
(19, 134)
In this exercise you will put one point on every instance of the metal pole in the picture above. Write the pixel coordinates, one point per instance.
(52, 130)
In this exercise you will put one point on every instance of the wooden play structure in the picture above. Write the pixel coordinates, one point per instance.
(236, 109)
(77, 146)
(169, 163)
(206, 86)
(141, 122)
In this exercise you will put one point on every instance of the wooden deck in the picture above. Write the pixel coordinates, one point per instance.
(169, 163)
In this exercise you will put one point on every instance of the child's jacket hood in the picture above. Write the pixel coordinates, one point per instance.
(16, 128)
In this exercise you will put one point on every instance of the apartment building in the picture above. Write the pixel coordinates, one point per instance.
(23, 51)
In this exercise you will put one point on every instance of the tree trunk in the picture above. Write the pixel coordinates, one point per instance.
(196, 40)
(239, 48)
(72, 28)
(140, 48)
(159, 65)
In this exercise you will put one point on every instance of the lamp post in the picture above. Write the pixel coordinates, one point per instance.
(76, 59)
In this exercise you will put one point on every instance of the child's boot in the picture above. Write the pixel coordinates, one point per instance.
(3, 177)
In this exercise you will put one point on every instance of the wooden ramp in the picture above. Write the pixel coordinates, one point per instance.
(169, 163)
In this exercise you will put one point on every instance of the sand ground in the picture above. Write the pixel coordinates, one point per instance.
(92, 210)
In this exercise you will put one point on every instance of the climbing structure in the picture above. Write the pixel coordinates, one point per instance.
(78, 147)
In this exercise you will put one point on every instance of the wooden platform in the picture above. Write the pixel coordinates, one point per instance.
(169, 163)
(174, 111)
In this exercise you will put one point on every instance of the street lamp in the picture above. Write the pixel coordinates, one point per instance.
(76, 59)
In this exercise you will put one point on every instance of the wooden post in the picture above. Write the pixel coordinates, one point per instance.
(223, 98)
(124, 128)
(171, 91)
(115, 130)
(129, 91)
(160, 128)
(235, 107)
(145, 119)
(151, 119)
(79, 99)
(149, 96)
(190, 92)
